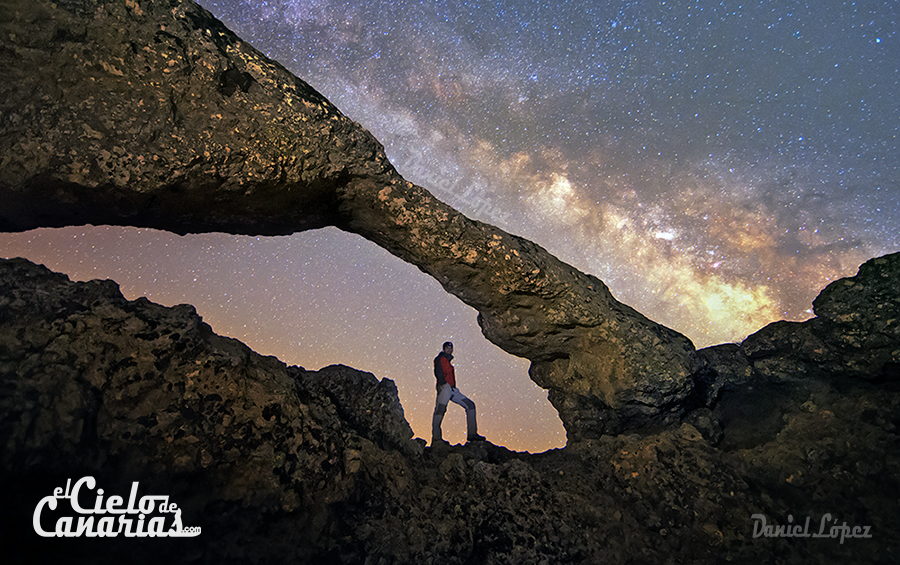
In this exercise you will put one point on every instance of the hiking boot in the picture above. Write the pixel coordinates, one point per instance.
(475, 437)
(439, 443)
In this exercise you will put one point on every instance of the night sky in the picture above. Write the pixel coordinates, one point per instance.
(715, 163)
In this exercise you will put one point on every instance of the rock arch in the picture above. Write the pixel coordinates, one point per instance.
(153, 114)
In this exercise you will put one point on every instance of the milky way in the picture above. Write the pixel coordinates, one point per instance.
(715, 163)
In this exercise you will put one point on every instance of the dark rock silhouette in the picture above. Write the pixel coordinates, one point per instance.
(279, 464)
(854, 336)
(127, 390)
(153, 114)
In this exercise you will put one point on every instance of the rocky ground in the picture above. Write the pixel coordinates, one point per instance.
(278, 464)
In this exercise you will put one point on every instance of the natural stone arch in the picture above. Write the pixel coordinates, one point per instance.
(153, 114)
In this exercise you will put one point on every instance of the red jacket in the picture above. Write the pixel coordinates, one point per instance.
(443, 370)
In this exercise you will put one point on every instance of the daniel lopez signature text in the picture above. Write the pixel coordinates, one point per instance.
(149, 516)
(791, 530)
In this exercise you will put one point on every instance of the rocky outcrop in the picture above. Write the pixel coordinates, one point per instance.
(369, 406)
(855, 335)
(282, 465)
(856, 331)
(852, 346)
(153, 114)
(95, 384)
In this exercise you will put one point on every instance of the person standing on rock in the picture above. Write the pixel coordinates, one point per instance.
(446, 393)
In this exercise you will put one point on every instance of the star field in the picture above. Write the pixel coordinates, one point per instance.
(715, 163)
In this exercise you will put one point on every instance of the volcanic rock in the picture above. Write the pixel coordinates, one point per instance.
(101, 385)
(856, 334)
(153, 114)
(754, 387)
(283, 465)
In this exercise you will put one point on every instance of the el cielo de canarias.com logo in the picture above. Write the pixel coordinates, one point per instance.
(82, 510)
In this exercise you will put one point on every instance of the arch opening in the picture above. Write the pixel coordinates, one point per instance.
(314, 299)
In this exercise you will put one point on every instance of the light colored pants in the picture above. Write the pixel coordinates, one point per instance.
(446, 395)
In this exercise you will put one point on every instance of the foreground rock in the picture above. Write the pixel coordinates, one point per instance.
(854, 337)
(153, 114)
(855, 334)
(94, 384)
(282, 465)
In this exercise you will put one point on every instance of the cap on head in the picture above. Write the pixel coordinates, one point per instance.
(447, 344)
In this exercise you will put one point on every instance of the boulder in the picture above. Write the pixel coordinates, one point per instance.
(370, 406)
(863, 320)
(855, 334)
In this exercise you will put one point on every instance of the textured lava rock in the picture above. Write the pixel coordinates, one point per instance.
(282, 465)
(750, 390)
(856, 334)
(370, 406)
(95, 384)
(863, 320)
(153, 114)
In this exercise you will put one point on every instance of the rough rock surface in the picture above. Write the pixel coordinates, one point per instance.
(855, 335)
(93, 382)
(153, 114)
(856, 331)
(282, 465)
